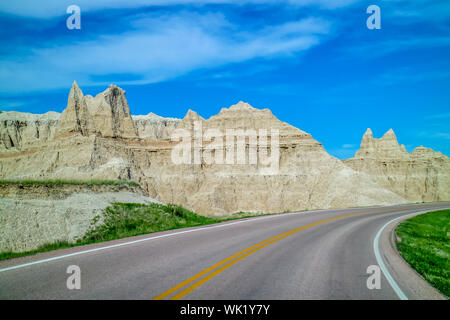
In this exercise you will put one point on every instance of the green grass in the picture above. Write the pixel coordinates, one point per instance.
(129, 219)
(71, 182)
(43, 248)
(425, 245)
(122, 220)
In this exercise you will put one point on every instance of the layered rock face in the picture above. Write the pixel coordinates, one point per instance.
(154, 127)
(32, 220)
(386, 147)
(98, 138)
(106, 115)
(25, 129)
(307, 177)
(422, 175)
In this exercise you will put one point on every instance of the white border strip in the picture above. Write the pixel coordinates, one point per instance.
(380, 262)
(251, 219)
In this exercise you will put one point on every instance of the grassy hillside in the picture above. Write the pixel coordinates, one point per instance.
(130, 219)
(122, 220)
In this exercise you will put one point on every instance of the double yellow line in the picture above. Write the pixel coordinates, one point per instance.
(228, 262)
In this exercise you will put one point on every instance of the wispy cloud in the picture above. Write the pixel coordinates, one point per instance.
(443, 135)
(13, 104)
(52, 8)
(342, 153)
(375, 49)
(418, 10)
(158, 48)
(410, 76)
(445, 115)
(434, 134)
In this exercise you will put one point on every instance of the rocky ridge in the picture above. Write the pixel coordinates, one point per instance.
(20, 129)
(422, 175)
(97, 138)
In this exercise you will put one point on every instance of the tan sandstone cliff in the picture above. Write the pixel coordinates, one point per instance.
(20, 129)
(98, 138)
(422, 175)
(106, 115)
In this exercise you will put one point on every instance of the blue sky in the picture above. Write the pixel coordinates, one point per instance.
(315, 64)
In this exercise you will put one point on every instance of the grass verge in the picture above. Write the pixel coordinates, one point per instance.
(44, 248)
(122, 220)
(71, 182)
(425, 246)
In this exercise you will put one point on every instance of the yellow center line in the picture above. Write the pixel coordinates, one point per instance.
(182, 284)
(243, 254)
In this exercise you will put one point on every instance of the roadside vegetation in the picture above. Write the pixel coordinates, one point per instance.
(425, 245)
(71, 182)
(43, 248)
(130, 219)
(122, 220)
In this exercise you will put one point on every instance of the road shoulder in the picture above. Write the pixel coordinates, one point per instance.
(413, 284)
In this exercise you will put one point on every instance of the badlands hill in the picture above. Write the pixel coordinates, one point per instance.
(98, 138)
(422, 175)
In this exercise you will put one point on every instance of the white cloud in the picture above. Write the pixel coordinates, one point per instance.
(410, 75)
(342, 153)
(160, 48)
(376, 49)
(439, 116)
(417, 10)
(443, 135)
(52, 8)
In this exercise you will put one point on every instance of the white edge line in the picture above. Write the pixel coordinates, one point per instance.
(251, 219)
(380, 262)
(178, 233)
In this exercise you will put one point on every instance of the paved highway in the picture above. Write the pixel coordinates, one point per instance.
(320, 254)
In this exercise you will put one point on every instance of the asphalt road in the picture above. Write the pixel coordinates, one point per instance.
(308, 255)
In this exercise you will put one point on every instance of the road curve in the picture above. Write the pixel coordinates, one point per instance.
(320, 254)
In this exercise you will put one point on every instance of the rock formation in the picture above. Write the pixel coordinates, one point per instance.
(154, 127)
(422, 175)
(96, 137)
(385, 147)
(31, 219)
(107, 115)
(25, 129)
